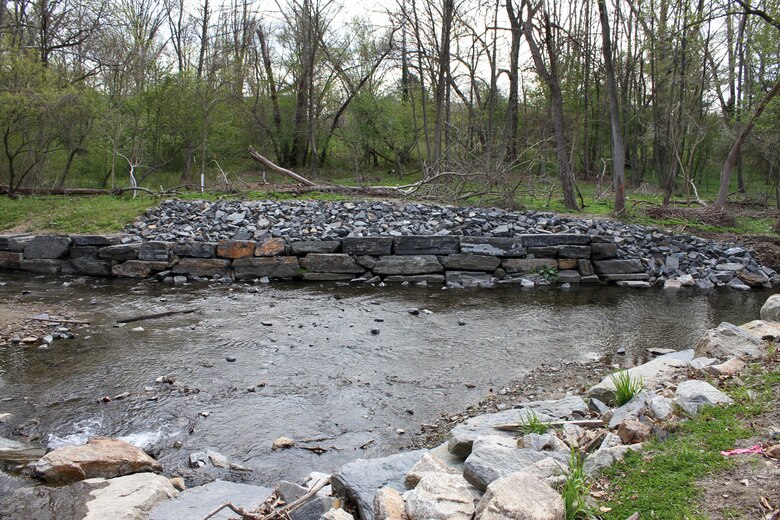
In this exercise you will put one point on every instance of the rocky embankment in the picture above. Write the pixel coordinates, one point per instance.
(504, 465)
(379, 242)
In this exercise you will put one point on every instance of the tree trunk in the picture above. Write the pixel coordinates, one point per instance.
(618, 150)
(731, 160)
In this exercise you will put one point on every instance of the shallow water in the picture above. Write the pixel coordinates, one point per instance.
(329, 381)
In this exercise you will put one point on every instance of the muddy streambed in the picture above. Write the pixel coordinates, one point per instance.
(344, 369)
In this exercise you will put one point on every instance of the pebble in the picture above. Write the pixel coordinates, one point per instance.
(230, 359)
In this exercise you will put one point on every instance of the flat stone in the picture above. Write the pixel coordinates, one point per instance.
(632, 431)
(10, 260)
(43, 265)
(426, 245)
(729, 368)
(468, 278)
(305, 247)
(585, 267)
(470, 262)
(762, 329)
(493, 246)
(272, 267)
(197, 502)
(90, 240)
(537, 501)
(672, 284)
(91, 267)
(442, 496)
(130, 497)
(568, 276)
(376, 246)
(628, 277)
(270, 247)
(493, 457)
(405, 265)
(327, 277)
(543, 252)
(90, 252)
(693, 395)
(728, 341)
(16, 453)
(132, 269)
(195, 249)
(603, 458)
(389, 505)
(47, 246)
(100, 457)
(603, 251)
(567, 264)
(415, 278)
(155, 251)
(541, 240)
(359, 480)
(427, 464)
(202, 266)
(526, 265)
(463, 435)
(654, 371)
(730, 266)
(331, 263)
(605, 267)
(569, 251)
(235, 248)
(14, 243)
(120, 252)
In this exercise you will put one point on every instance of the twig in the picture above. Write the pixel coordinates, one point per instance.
(297, 503)
(244, 514)
(585, 422)
(52, 320)
(157, 315)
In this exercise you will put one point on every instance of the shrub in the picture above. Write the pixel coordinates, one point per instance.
(626, 387)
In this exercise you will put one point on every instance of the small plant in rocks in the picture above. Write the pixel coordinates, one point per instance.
(626, 387)
(576, 488)
(547, 272)
(533, 424)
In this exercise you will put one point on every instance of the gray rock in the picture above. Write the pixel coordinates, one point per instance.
(603, 458)
(415, 279)
(603, 251)
(617, 267)
(155, 251)
(737, 284)
(542, 240)
(47, 246)
(44, 265)
(10, 260)
(376, 246)
(131, 269)
(468, 279)
(359, 480)
(315, 246)
(537, 501)
(90, 240)
(91, 267)
(493, 457)
(493, 246)
(406, 265)
(194, 249)
(272, 267)
(17, 453)
(770, 311)
(568, 251)
(728, 341)
(426, 245)
(693, 395)
(462, 436)
(526, 265)
(470, 262)
(427, 464)
(197, 502)
(568, 276)
(202, 266)
(331, 263)
(441, 496)
(120, 252)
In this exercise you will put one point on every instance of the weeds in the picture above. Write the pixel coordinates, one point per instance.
(626, 387)
(575, 489)
(533, 424)
(547, 272)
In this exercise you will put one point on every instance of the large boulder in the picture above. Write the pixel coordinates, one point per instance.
(102, 457)
(651, 373)
(728, 341)
(197, 502)
(493, 457)
(762, 328)
(359, 480)
(693, 395)
(771, 309)
(47, 246)
(536, 501)
(440, 496)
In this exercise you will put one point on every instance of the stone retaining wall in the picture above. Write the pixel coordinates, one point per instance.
(466, 261)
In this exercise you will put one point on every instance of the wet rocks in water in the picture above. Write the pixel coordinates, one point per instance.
(283, 443)
(198, 502)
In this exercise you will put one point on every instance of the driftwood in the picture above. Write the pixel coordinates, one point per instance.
(588, 423)
(157, 315)
(277, 514)
(278, 169)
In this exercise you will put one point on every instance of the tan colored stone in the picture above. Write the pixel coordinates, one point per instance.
(426, 464)
(567, 263)
(235, 248)
(101, 457)
(731, 367)
(632, 431)
(773, 451)
(282, 443)
(270, 247)
(389, 505)
(520, 496)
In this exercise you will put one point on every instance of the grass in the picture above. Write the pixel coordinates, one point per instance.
(575, 489)
(660, 481)
(532, 424)
(626, 387)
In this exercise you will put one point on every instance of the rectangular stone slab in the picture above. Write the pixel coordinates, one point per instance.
(603, 251)
(120, 252)
(541, 240)
(526, 265)
(270, 266)
(331, 263)
(90, 240)
(315, 246)
(367, 245)
(426, 245)
(618, 266)
(493, 246)
(419, 264)
(415, 278)
(202, 266)
(91, 266)
(47, 246)
(9, 260)
(470, 262)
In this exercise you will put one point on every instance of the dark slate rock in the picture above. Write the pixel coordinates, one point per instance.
(366, 261)
(194, 249)
(568, 276)
(470, 262)
(603, 251)
(426, 245)
(155, 251)
(10, 260)
(84, 252)
(376, 246)
(469, 279)
(331, 263)
(198, 502)
(543, 252)
(618, 266)
(585, 267)
(120, 252)
(271, 266)
(493, 246)
(202, 266)
(91, 266)
(90, 240)
(526, 265)
(47, 246)
(626, 277)
(416, 278)
(315, 246)
(328, 277)
(14, 243)
(132, 269)
(43, 265)
(406, 265)
(359, 480)
(567, 251)
(542, 240)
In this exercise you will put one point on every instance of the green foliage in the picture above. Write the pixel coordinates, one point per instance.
(660, 481)
(532, 424)
(626, 387)
(576, 489)
(547, 272)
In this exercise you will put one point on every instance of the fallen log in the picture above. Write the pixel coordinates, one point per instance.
(157, 315)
